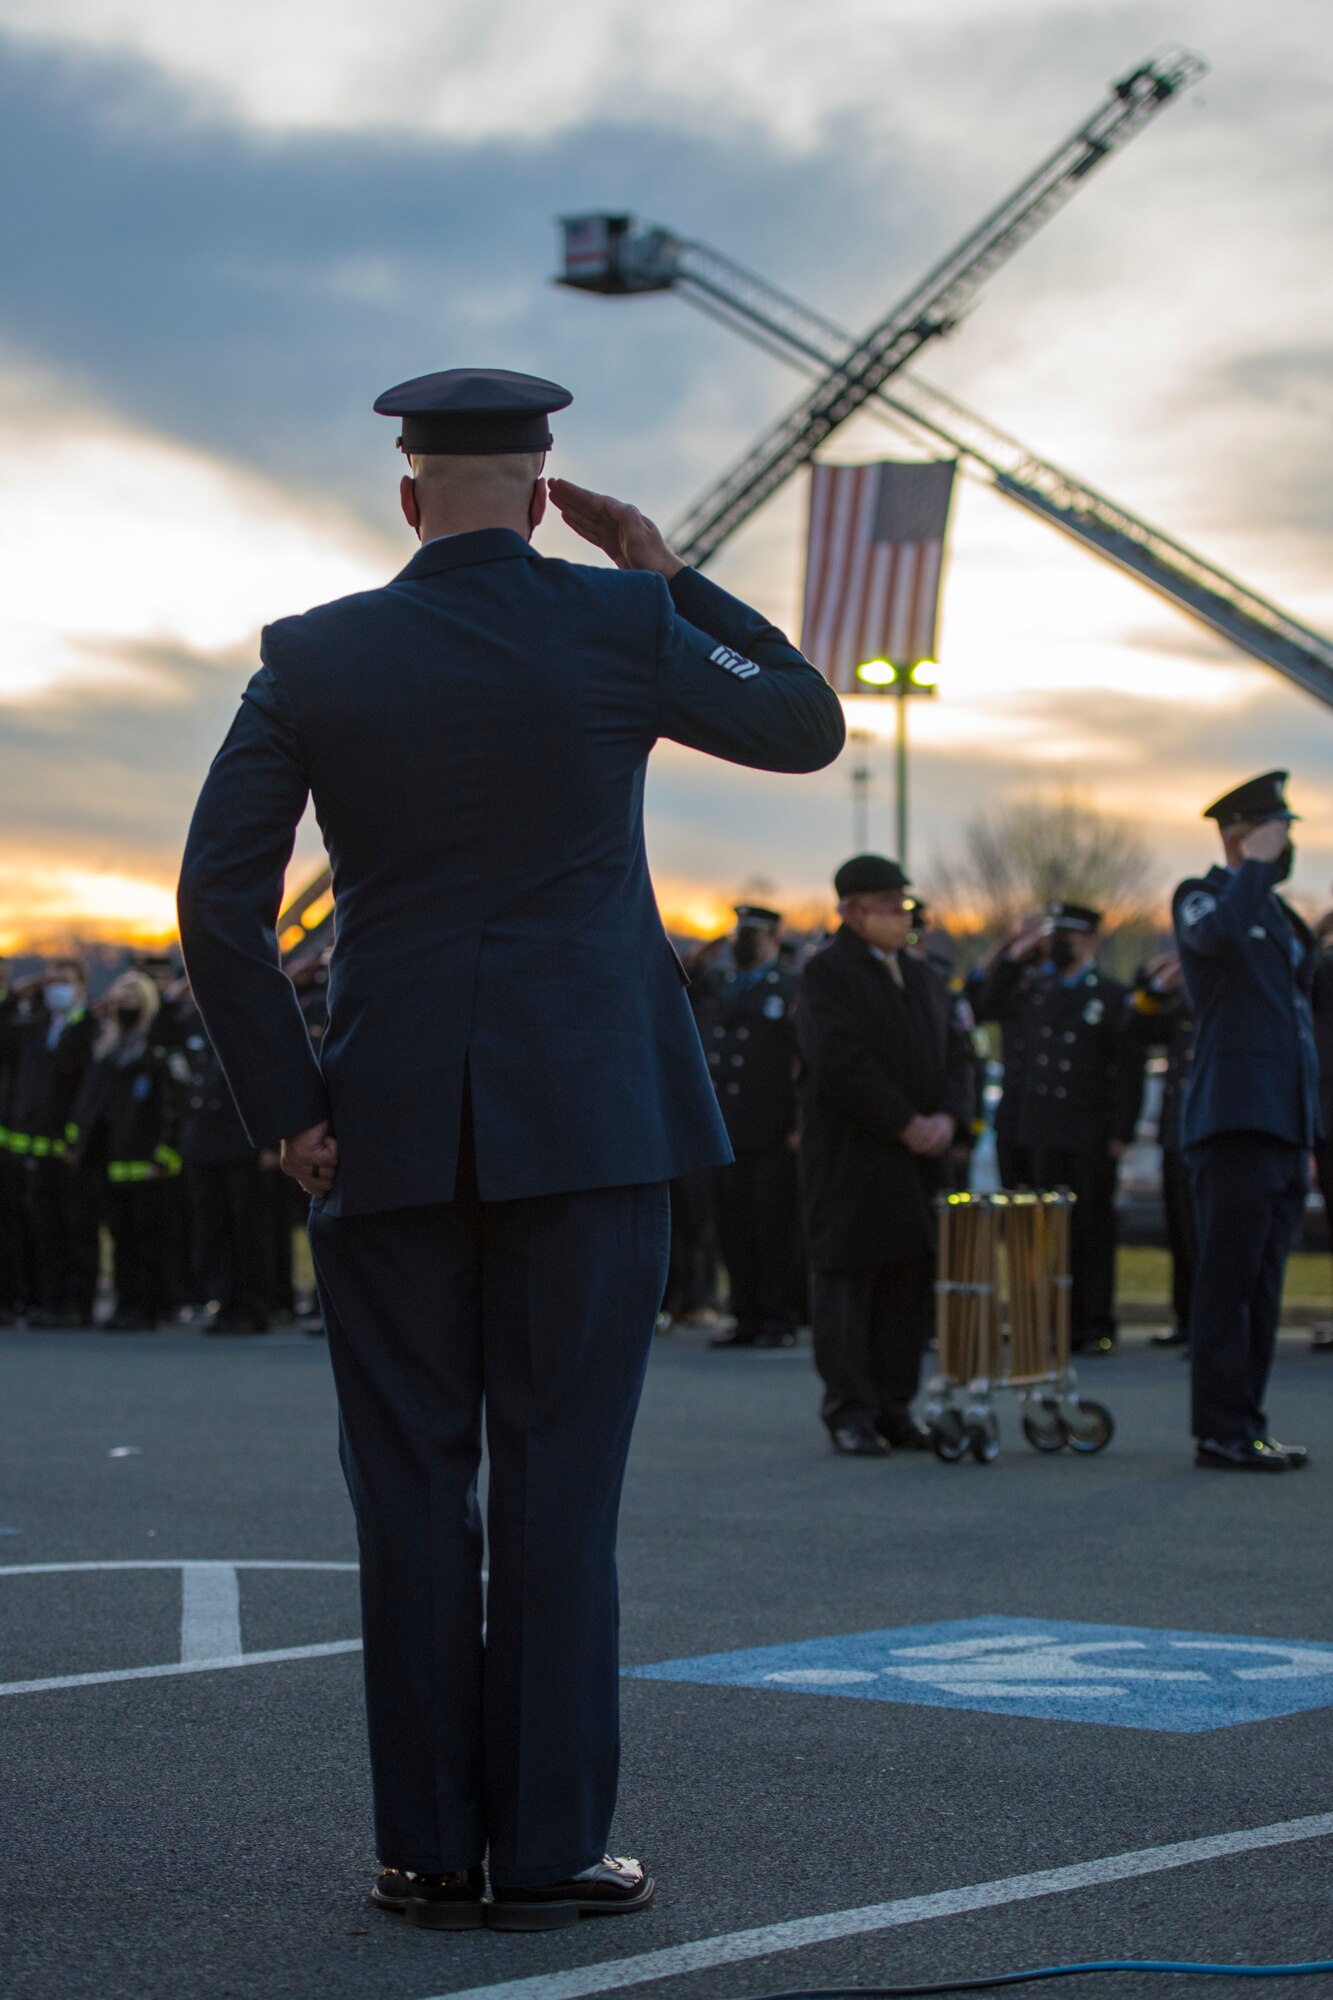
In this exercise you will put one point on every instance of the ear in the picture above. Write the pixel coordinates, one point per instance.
(537, 513)
(407, 499)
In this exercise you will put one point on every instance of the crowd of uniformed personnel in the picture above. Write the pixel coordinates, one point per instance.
(115, 1118)
(834, 1060)
(850, 1073)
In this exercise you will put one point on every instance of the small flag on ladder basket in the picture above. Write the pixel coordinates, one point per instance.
(874, 555)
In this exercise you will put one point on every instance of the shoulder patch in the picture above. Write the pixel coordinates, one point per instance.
(734, 663)
(1197, 906)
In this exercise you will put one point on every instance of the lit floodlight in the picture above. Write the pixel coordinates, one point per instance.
(877, 673)
(925, 674)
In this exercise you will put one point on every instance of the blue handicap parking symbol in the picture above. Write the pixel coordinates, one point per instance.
(1047, 1669)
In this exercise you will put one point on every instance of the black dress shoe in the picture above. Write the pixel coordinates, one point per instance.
(1296, 1455)
(450, 1902)
(906, 1434)
(1321, 1340)
(853, 1442)
(736, 1336)
(612, 1887)
(1178, 1337)
(1244, 1455)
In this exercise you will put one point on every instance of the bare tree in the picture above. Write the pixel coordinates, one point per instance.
(1022, 856)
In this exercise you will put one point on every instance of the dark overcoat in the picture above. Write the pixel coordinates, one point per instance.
(475, 737)
(874, 1055)
(1249, 965)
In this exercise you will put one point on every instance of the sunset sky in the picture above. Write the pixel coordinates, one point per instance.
(228, 226)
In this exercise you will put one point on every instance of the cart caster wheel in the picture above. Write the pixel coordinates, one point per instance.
(1043, 1427)
(1088, 1427)
(983, 1440)
(948, 1436)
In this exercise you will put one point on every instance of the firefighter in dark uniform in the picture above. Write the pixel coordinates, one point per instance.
(1250, 1117)
(1012, 1159)
(1080, 1102)
(745, 1019)
(123, 1130)
(222, 1190)
(55, 1049)
(1160, 1018)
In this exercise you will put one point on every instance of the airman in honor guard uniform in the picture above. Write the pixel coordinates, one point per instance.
(1082, 1083)
(509, 1078)
(745, 1019)
(1249, 1119)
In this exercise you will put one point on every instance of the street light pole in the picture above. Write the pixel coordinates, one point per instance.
(901, 689)
(862, 739)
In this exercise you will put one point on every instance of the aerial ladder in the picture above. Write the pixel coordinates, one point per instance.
(604, 259)
(655, 259)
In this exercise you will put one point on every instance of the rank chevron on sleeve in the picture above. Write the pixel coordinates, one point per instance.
(734, 663)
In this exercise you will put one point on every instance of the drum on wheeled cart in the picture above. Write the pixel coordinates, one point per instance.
(1002, 1297)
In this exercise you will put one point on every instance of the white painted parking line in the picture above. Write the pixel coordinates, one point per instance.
(319, 1652)
(243, 1562)
(734, 1947)
(210, 1611)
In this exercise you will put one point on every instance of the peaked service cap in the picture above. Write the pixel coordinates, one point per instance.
(1257, 799)
(754, 917)
(1074, 917)
(474, 411)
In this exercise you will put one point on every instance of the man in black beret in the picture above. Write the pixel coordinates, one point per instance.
(509, 1078)
(1249, 1118)
(885, 1089)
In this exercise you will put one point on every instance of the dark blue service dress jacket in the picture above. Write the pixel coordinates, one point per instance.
(475, 737)
(1249, 964)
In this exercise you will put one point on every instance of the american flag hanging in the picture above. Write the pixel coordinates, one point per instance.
(873, 560)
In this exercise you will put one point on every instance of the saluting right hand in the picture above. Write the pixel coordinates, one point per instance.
(1267, 842)
(620, 531)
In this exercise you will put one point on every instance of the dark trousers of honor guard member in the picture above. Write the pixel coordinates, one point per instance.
(1082, 1085)
(1249, 1119)
(745, 1018)
(509, 1078)
(885, 1089)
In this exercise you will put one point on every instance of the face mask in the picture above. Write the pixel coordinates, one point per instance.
(128, 1016)
(1062, 951)
(1285, 862)
(745, 950)
(61, 995)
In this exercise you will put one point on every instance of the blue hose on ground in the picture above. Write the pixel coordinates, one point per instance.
(1053, 1972)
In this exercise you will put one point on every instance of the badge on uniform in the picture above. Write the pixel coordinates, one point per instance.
(774, 1007)
(1197, 906)
(1094, 1012)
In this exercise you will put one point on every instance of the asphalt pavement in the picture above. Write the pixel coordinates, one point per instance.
(202, 1832)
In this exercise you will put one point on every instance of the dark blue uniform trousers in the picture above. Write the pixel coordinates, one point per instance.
(1249, 1196)
(540, 1312)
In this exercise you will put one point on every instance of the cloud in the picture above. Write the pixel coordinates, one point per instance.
(256, 217)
